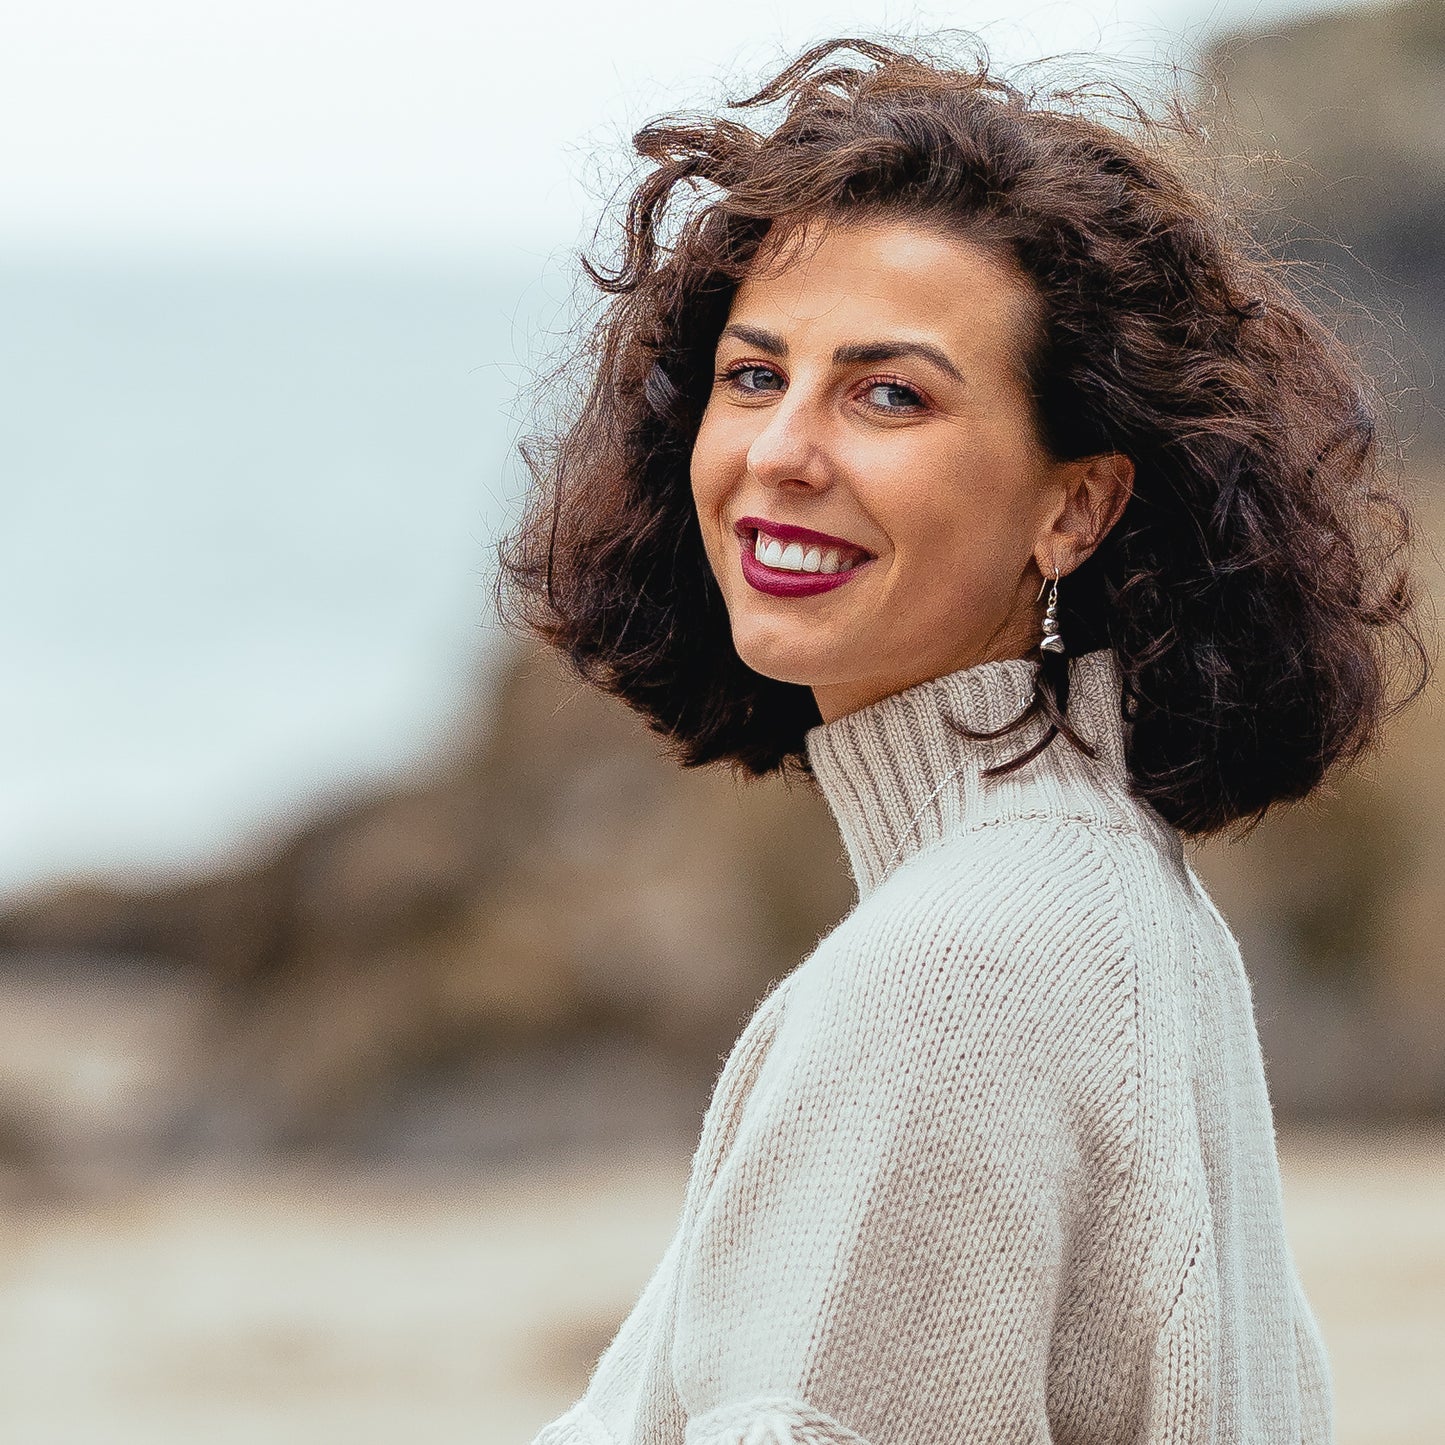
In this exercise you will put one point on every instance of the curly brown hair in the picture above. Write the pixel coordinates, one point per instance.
(1257, 589)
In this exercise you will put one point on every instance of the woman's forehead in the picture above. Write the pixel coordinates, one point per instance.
(890, 273)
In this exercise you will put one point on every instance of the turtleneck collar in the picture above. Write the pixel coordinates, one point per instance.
(897, 778)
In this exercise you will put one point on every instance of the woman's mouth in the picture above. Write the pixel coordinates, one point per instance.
(787, 567)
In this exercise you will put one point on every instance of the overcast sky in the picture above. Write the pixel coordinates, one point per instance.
(413, 125)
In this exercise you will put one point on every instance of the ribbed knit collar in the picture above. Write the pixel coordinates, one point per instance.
(898, 779)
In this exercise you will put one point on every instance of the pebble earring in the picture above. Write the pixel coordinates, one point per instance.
(1051, 641)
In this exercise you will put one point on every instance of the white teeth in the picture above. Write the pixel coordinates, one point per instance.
(793, 557)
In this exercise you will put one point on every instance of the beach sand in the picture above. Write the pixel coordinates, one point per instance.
(333, 1307)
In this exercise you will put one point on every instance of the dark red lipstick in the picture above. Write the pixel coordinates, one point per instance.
(788, 532)
(778, 582)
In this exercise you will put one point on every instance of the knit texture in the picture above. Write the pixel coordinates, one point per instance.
(996, 1162)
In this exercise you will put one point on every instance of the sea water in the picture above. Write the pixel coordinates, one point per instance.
(247, 516)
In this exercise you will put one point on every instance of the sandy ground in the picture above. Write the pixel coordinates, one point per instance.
(321, 1306)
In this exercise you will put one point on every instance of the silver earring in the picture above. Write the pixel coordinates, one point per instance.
(1051, 641)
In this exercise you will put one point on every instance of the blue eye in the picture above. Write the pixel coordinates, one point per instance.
(736, 374)
(898, 396)
(882, 394)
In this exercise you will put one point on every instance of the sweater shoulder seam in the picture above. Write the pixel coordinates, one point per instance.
(1087, 822)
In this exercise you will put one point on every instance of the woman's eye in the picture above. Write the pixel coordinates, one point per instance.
(883, 396)
(753, 378)
(892, 396)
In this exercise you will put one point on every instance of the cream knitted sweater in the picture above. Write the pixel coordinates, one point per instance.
(995, 1163)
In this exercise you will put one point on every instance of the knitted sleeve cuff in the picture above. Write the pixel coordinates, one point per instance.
(578, 1426)
(769, 1420)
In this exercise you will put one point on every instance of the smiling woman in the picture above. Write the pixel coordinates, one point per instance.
(934, 470)
(994, 1163)
(1259, 551)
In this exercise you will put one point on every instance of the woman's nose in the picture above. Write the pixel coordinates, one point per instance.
(791, 445)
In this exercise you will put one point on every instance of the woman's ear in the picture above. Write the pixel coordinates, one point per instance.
(1096, 491)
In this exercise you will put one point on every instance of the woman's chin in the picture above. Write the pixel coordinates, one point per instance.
(796, 660)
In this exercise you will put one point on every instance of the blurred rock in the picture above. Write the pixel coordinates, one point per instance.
(96, 1059)
(1339, 902)
(1348, 107)
(555, 881)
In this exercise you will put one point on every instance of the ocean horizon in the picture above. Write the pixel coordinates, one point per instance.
(249, 513)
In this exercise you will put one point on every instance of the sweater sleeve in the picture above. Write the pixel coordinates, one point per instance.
(945, 1115)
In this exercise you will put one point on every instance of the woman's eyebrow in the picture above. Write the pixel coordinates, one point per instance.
(865, 351)
(871, 351)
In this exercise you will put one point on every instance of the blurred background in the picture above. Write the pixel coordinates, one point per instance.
(362, 977)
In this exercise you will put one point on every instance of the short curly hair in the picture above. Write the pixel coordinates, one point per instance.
(1256, 589)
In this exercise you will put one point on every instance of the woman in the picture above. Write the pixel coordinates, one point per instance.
(955, 450)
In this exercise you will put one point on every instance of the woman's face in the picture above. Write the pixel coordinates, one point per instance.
(872, 390)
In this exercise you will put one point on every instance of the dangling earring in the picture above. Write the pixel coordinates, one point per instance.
(1051, 641)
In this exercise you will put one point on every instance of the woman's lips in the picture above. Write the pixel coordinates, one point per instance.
(791, 532)
(778, 583)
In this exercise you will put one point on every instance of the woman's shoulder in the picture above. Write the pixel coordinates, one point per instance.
(1056, 924)
(1032, 882)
